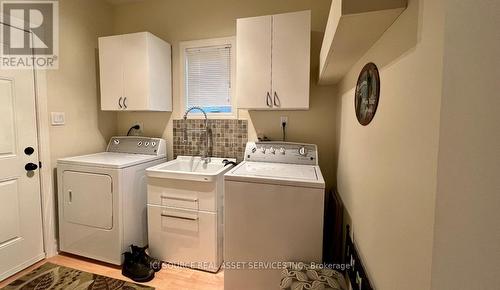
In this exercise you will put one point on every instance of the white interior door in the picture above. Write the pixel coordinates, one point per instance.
(21, 240)
(253, 62)
(291, 60)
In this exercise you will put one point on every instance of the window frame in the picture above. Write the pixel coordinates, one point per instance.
(203, 43)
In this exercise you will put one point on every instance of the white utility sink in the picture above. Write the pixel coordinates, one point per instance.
(191, 168)
(185, 210)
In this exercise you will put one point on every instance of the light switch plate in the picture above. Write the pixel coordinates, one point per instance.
(57, 118)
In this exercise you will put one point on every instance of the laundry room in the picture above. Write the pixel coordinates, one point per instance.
(264, 144)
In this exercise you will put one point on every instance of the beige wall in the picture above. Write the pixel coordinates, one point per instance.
(73, 88)
(467, 230)
(387, 170)
(176, 21)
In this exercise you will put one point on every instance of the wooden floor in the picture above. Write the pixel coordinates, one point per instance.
(167, 278)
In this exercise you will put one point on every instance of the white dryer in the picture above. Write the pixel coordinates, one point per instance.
(102, 198)
(274, 204)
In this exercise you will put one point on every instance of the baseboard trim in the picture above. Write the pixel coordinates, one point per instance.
(21, 267)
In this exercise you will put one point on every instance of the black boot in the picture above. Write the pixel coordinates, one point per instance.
(147, 260)
(134, 269)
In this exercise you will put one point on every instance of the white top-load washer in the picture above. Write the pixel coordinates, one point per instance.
(102, 198)
(274, 204)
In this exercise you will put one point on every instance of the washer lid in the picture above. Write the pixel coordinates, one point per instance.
(109, 159)
(277, 173)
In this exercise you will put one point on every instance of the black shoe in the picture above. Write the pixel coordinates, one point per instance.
(147, 260)
(134, 269)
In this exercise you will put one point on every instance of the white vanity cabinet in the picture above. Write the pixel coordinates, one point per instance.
(273, 61)
(135, 73)
(185, 211)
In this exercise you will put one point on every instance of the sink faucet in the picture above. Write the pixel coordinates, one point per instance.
(205, 156)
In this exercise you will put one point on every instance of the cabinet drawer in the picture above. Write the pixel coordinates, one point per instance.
(183, 237)
(182, 194)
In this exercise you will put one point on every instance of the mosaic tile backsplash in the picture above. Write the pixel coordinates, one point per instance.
(228, 138)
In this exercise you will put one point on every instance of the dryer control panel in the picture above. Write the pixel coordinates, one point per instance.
(282, 152)
(137, 145)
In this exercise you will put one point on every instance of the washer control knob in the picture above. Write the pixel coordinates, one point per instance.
(263, 149)
(272, 150)
(146, 143)
(282, 151)
(254, 149)
(116, 141)
(153, 144)
(302, 151)
(139, 144)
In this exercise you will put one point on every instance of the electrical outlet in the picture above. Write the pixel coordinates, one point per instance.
(283, 119)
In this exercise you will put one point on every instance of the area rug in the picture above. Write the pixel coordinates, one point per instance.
(51, 276)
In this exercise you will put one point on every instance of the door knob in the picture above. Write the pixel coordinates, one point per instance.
(30, 166)
(29, 150)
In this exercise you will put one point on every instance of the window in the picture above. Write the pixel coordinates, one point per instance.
(208, 71)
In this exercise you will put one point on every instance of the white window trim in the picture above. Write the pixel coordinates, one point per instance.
(208, 42)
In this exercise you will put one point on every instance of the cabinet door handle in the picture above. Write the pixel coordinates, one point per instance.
(269, 100)
(277, 101)
(120, 103)
(125, 102)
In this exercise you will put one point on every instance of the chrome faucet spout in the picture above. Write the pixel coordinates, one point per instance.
(199, 109)
(205, 156)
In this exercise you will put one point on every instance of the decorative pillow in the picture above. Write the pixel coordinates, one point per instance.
(307, 277)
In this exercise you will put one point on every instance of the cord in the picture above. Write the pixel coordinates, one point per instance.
(135, 127)
(283, 126)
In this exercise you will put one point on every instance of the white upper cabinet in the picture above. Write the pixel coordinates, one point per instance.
(291, 60)
(135, 73)
(273, 61)
(110, 72)
(253, 62)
